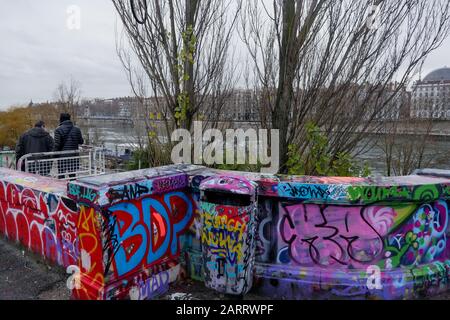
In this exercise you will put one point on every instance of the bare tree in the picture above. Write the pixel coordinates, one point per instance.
(68, 97)
(405, 145)
(332, 62)
(183, 49)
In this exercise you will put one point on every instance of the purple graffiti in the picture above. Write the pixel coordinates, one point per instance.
(329, 235)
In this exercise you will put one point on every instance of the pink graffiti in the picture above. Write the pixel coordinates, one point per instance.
(234, 184)
(380, 218)
(330, 235)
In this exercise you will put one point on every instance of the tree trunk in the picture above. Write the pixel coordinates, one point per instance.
(191, 7)
(280, 114)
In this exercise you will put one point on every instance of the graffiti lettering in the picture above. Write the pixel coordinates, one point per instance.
(148, 230)
(224, 235)
(329, 235)
(310, 191)
(374, 278)
(170, 183)
(152, 287)
(374, 194)
(82, 193)
(127, 192)
(371, 194)
(228, 246)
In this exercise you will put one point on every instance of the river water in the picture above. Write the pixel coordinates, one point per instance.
(436, 152)
(119, 137)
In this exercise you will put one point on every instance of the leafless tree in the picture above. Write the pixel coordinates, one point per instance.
(336, 63)
(68, 97)
(405, 145)
(182, 47)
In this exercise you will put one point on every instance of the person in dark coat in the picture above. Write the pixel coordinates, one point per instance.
(35, 140)
(67, 137)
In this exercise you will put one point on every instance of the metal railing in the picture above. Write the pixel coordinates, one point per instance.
(8, 159)
(87, 161)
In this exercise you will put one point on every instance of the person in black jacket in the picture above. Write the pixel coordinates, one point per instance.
(67, 137)
(35, 140)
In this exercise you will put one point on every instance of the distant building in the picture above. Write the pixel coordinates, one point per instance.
(397, 102)
(240, 105)
(124, 110)
(389, 102)
(431, 96)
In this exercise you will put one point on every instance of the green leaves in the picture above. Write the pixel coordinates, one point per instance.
(186, 56)
(182, 107)
(318, 160)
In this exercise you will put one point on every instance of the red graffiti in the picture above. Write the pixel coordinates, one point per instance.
(90, 263)
(40, 221)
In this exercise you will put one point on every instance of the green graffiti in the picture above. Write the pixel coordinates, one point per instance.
(426, 193)
(446, 191)
(394, 255)
(402, 213)
(369, 194)
(432, 275)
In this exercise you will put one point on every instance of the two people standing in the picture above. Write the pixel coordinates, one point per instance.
(37, 140)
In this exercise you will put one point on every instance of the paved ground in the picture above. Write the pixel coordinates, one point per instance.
(23, 276)
(194, 290)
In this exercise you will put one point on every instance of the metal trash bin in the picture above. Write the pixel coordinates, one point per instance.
(228, 210)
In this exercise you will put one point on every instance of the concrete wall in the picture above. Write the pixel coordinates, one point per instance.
(325, 238)
(137, 232)
(130, 230)
(35, 212)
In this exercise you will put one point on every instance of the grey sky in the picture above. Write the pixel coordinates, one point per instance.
(38, 51)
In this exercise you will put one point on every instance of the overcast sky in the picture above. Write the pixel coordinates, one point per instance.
(38, 50)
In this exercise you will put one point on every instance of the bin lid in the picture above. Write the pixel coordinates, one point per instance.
(229, 184)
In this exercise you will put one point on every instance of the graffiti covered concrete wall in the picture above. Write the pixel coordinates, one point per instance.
(324, 238)
(130, 235)
(381, 251)
(134, 226)
(35, 213)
